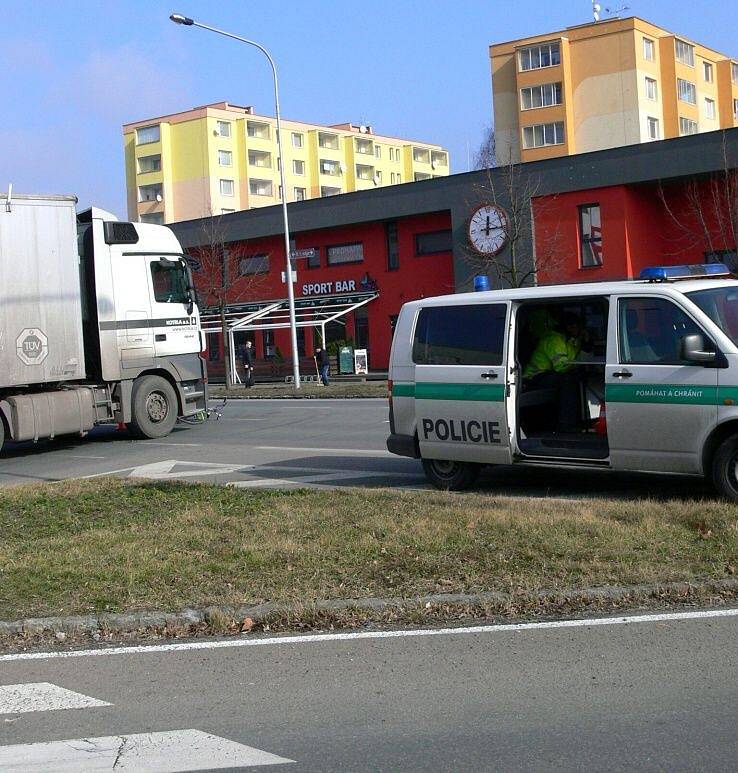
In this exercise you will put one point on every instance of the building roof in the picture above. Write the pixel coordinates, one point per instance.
(694, 155)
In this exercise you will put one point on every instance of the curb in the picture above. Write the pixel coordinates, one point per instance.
(132, 622)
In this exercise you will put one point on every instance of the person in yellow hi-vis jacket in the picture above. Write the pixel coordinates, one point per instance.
(553, 366)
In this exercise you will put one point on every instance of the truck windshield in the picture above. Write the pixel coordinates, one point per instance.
(721, 306)
(169, 279)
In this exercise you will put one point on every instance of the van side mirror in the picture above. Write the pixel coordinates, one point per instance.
(693, 349)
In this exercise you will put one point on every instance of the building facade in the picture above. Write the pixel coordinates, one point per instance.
(608, 214)
(606, 84)
(223, 158)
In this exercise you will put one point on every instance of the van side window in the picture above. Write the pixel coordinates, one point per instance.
(650, 332)
(460, 335)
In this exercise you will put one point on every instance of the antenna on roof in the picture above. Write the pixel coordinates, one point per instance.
(616, 11)
(596, 10)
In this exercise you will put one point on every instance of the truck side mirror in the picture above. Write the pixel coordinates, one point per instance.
(693, 349)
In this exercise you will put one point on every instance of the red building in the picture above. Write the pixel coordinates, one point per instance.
(360, 256)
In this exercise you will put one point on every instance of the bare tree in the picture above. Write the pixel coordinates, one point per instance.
(705, 211)
(512, 189)
(486, 155)
(220, 280)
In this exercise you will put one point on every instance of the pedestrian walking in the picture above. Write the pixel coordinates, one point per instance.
(323, 364)
(247, 357)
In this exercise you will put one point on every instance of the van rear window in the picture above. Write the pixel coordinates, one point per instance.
(460, 335)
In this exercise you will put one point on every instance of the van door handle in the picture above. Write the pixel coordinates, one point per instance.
(622, 374)
(489, 374)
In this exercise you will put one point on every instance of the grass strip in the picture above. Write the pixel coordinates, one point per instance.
(109, 545)
(307, 389)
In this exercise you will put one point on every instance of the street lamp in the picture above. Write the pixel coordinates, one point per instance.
(178, 18)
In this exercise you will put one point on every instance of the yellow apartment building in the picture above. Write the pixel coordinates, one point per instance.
(606, 84)
(222, 158)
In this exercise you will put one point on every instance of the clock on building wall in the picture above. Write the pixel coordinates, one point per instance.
(488, 229)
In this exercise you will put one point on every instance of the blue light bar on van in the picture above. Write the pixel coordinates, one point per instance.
(695, 271)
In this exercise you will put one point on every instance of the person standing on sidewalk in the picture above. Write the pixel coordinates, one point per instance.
(323, 363)
(247, 357)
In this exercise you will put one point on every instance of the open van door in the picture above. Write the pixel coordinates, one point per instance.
(460, 354)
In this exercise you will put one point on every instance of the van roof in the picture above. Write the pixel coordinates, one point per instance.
(639, 287)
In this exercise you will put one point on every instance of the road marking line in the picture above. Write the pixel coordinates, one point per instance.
(42, 696)
(347, 451)
(176, 445)
(332, 637)
(164, 752)
(86, 456)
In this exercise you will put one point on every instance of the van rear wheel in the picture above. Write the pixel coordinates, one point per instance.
(725, 468)
(450, 476)
(154, 407)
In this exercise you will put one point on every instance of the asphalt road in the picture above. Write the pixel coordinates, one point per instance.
(295, 443)
(651, 696)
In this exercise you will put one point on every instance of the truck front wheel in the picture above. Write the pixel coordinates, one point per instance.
(450, 476)
(154, 407)
(725, 468)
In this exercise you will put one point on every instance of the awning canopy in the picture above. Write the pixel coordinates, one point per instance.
(315, 311)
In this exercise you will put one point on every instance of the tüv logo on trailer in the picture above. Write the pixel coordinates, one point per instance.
(32, 346)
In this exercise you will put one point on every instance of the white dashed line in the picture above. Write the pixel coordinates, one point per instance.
(42, 696)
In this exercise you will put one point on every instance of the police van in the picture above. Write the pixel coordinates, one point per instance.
(647, 375)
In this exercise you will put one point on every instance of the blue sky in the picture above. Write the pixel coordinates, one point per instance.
(75, 71)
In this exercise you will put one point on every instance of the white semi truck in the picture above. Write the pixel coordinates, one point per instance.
(98, 323)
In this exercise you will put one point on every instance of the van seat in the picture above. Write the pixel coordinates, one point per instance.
(536, 397)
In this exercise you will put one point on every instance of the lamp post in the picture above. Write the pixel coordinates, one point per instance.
(178, 18)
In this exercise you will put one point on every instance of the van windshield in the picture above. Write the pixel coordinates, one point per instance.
(721, 306)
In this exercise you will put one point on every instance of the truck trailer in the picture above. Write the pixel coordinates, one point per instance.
(98, 323)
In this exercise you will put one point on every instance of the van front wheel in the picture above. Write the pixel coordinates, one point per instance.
(725, 468)
(450, 476)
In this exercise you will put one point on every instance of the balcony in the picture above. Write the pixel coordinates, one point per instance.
(260, 158)
(365, 147)
(328, 141)
(439, 159)
(330, 167)
(364, 172)
(421, 156)
(422, 176)
(148, 193)
(258, 130)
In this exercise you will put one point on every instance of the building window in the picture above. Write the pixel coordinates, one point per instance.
(433, 242)
(267, 340)
(399, 177)
(734, 73)
(226, 211)
(540, 96)
(225, 158)
(254, 264)
(421, 156)
(279, 192)
(543, 134)
(213, 347)
(378, 177)
(227, 188)
(365, 146)
(329, 141)
(313, 258)
(345, 253)
(299, 194)
(649, 50)
(685, 53)
(710, 108)
(439, 158)
(298, 167)
(261, 187)
(735, 109)
(224, 128)
(157, 218)
(329, 190)
(392, 154)
(364, 172)
(418, 176)
(149, 164)
(687, 126)
(377, 151)
(536, 57)
(707, 71)
(297, 140)
(393, 245)
(153, 192)
(651, 89)
(332, 168)
(590, 236)
(687, 91)
(147, 134)
(257, 130)
(260, 158)
(460, 335)
(653, 128)
(392, 178)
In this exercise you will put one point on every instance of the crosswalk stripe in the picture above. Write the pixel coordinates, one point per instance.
(42, 696)
(174, 751)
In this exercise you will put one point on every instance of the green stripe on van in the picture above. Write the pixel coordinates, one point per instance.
(427, 390)
(680, 394)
